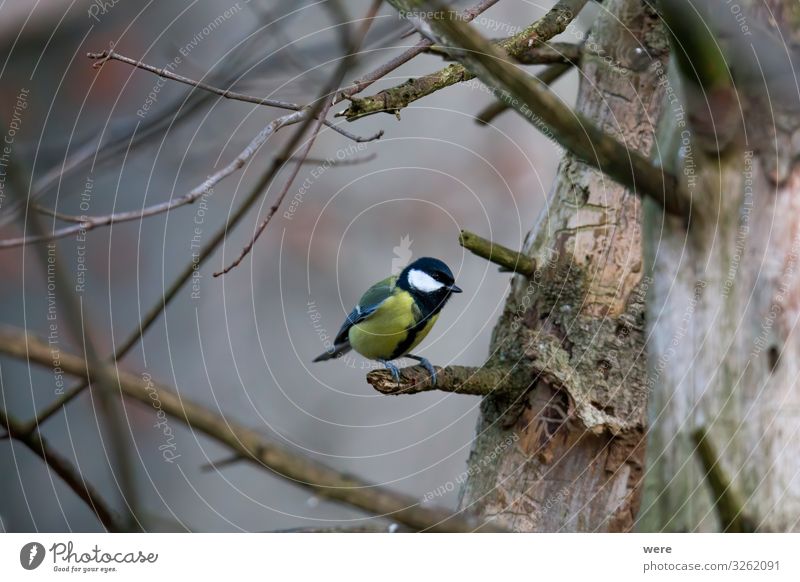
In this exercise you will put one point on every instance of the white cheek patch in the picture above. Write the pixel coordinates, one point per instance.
(421, 281)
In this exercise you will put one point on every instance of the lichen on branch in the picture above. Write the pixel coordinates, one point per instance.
(460, 379)
(520, 46)
(394, 99)
(508, 259)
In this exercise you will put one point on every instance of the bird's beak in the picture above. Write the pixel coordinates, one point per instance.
(455, 289)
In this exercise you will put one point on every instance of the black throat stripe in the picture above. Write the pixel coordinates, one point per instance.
(411, 334)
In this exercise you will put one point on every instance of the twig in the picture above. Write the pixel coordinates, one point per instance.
(549, 53)
(305, 472)
(712, 99)
(459, 379)
(191, 196)
(334, 163)
(103, 57)
(279, 200)
(549, 76)
(727, 500)
(544, 110)
(110, 55)
(394, 99)
(423, 45)
(321, 109)
(498, 254)
(64, 469)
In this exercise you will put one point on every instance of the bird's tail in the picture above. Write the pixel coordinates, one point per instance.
(337, 351)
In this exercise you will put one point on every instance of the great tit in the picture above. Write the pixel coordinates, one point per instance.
(395, 315)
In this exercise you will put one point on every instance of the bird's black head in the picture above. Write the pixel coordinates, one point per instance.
(430, 281)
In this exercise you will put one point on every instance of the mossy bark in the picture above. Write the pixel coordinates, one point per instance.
(568, 454)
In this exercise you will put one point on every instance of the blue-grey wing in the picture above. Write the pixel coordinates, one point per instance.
(367, 305)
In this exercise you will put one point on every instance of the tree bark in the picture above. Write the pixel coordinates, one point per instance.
(568, 454)
(724, 306)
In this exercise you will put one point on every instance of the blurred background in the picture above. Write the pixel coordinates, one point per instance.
(98, 141)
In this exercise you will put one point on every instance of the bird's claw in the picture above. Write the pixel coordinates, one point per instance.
(393, 369)
(425, 363)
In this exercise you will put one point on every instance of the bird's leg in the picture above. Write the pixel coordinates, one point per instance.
(425, 364)
(393, 369)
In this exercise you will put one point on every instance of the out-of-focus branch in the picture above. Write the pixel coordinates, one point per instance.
(544, 110)
(419, 48)
(458, 379)
(549, 76)
(283, 462)
(508, 259)
(394, 99)
(713, 105)
(64, 469)
(109, 55)
(727, 500)
(548, 53)
(113, 419)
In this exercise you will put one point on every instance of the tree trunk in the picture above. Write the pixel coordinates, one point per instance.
(722, 312)
(568, 455)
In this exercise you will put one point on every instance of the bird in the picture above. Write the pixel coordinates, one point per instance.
(395, 315)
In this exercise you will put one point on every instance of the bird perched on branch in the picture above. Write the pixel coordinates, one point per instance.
(395, 315)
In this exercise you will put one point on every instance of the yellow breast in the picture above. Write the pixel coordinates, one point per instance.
(386, 333)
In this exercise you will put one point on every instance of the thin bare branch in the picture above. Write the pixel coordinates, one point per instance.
(103, 57)
(423, 45)
(539, 106)
(64, 469)
(320, 111)
(108, 55)
(549, 76)
(283, 462)
(279, 200)
(333, 163)
(195, 193)
(394, 99)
